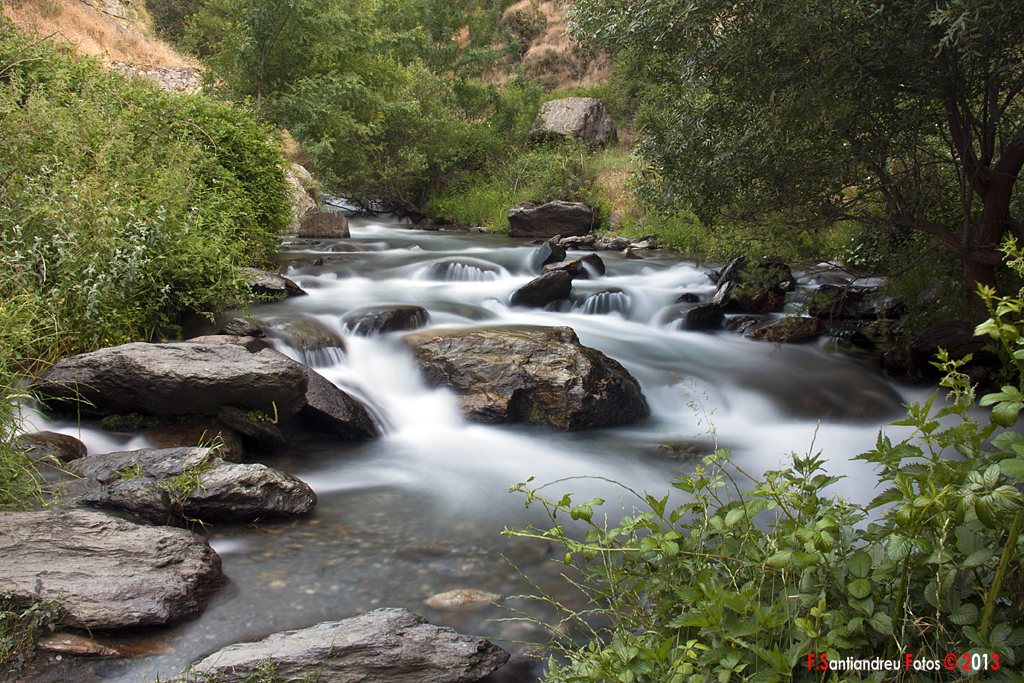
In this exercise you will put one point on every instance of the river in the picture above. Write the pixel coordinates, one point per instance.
(421, 510)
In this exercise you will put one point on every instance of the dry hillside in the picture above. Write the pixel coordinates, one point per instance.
(116, 30)
(547, 52)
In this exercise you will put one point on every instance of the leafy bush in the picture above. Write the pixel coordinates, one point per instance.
(770, 579)
(123, 209)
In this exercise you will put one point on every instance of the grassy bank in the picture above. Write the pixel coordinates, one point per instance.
(123, 210)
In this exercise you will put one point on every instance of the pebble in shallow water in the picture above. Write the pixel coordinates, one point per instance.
(462, 599)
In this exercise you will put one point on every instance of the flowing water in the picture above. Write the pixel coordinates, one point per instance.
(421, 510)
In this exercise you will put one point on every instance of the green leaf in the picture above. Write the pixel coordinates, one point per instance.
(1012, 467)
(860, 564)
(781, 559)
(735, 515)
(965, 614)
(983, 508)
(859, 588)
(897, 548)
(881, 623)
(978, 558)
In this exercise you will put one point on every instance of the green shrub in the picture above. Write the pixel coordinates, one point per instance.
(758, 579)
(123, 210)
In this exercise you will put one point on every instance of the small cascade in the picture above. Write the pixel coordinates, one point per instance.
(323, 357)
(604, 303)
(453, 271)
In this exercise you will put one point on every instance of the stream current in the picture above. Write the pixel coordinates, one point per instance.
(421, 510)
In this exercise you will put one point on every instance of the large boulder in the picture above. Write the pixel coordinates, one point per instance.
(300, 200)
(106, 573)
(211, 490)
(529, 374)
(759, 288)
(543, 290)
(330, 410)
(384, 646)
(325, 225)
(534, 219)
(175, 379)
(583, 117)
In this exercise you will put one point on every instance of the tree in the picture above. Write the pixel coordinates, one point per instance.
(904, 116)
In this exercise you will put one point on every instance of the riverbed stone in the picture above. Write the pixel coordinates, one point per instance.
(387, 645)
(106, 573)
(193, 431)
(250, 344)
(174, 379)
(703, 317)
(543, 290)
(536, 219)
(529, 374)
(758, 288)
(141, 497)
(221, 492)
(51, 446)
(240, 327)
(324, 225)
(271, 284)
(260, 430)
(330, 410)
(375, 321)
(789, 330)
(319, 345)
(550, 251)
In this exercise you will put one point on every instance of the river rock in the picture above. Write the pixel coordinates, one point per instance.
(106, 573)
(583, 117)
(533, 219)
(240, 327)
(174, 379)
(957, 338)
(67, 643)
(221, 492)
(250, 344)
(330, 410)
(319, 345)
(324, 225)
(462, 599)
(299, 199)
(143, 498)
(529, 374)
(548, 252)
(271, 284)
(197, 431)
(543, 290)
(579, 268)
(371, 322)
(789, 330)
(383, 646)
(155, 463)
(57, 448)
(757, 288)
(262, 431)
(703, 317)
(241, 494)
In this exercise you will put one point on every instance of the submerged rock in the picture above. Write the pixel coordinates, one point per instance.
(384, 646)
(462, 599)
(529, 374)
(371, 322)
(106, 573)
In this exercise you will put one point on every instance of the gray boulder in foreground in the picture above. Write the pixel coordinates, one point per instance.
(175, 379)
(104, 572)
(224, 492)
(384, 646)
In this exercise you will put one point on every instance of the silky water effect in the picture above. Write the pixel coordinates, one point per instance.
(421, 510)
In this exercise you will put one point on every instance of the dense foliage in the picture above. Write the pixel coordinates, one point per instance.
(122, 209)
(772, 578)
(382, 96)
(901, 116)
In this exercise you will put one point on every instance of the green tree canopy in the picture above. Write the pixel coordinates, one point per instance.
(906, 116)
